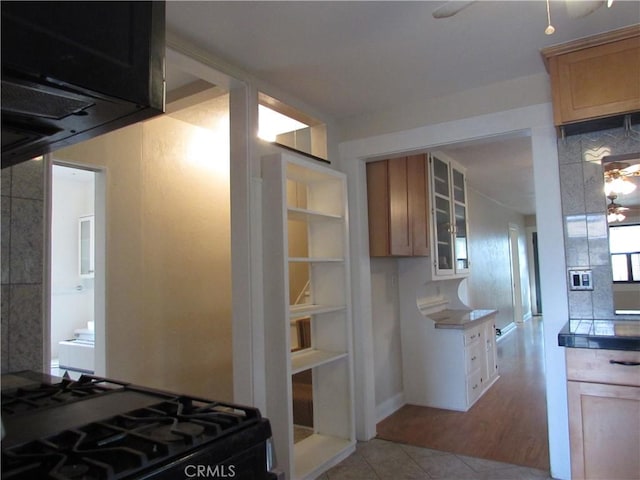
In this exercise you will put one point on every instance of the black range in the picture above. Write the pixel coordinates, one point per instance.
(95, 428)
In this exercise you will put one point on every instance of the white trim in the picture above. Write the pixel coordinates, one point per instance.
(46, 254)
(390, 406)
(246, 239)
(100, 275)
(516, 280)
(535, 121)
(505, 331)
(514, 122)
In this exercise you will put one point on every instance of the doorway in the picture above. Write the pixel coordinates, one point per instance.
(536, 270)
(516, 284)
(76, 292)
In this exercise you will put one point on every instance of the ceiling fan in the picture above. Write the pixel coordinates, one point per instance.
(615, 211)
(617, 177)
(575, 9)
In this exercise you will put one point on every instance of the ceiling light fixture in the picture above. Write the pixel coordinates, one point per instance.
(609, 3)
(550, 29)
(615, 217)
(618, 185)
(618, 177)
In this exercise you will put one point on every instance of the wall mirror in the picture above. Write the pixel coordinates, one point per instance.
(622, 190)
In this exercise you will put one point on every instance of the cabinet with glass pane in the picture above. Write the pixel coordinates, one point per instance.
(308, 339)
(449, 215)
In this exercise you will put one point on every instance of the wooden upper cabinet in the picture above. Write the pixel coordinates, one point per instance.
(417, 172)
(398, 207)
(595, 77)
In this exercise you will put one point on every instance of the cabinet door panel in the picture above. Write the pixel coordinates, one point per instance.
(578, 79)
(604, 424)
(418, 204)
(378, 208)
(595, 365)
(490, 344)
(400, 234)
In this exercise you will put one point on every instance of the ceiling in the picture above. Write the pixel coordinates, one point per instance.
(348, 59)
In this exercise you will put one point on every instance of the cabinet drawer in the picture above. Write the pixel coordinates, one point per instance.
(595, 365)
(472, 335)
(474, 386)
(474, 356)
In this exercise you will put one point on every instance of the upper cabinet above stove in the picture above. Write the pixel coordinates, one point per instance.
(74, 70)
(595, 78)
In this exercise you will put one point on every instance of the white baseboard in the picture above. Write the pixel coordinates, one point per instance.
(505, 330)
(389, 406)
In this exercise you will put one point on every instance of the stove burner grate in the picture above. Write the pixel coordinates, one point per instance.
(27, 399)
(125, 443)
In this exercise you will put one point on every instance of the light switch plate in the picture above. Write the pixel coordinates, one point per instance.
(580, 279)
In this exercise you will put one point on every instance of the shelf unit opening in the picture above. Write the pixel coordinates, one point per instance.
(307, 315)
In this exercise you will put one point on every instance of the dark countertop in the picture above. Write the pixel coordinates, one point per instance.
(461, 319)
(26, 379)
(605, 334)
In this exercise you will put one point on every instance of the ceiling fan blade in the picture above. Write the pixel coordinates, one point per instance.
(631, 170)
(582, 8)
(449, 9)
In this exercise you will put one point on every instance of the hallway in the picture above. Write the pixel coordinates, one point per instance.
(508, 424)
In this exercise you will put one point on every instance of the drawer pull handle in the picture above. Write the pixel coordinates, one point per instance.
(626, 364)
(473, 358)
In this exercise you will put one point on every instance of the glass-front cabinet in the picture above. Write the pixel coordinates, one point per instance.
(449, 216)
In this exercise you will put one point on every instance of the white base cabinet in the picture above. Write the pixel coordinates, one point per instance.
(308, 333)
(449, 358)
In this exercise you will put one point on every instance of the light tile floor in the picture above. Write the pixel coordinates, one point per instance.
(383, 460)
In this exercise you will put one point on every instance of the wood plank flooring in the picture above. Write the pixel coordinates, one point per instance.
(508, 424)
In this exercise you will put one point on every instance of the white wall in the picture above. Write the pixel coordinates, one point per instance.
(537, 120)
(387, 352)
(497, 97)
(168, 289)
(489, 284)
(71, 296)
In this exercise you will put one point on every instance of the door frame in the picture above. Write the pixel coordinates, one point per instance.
(99, 305)
(516, 281)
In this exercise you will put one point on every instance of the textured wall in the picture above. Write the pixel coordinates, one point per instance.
(489, 284)
(385, 315)
(22, 266)
(584, 213)
(168, 288)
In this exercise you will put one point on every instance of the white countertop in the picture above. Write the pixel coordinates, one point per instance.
(461, 319)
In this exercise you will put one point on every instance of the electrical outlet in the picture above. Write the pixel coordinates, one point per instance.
(580, 279)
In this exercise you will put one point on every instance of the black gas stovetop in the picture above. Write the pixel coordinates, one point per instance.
(95, 428)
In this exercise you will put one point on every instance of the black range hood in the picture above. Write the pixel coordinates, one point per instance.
(75, 70)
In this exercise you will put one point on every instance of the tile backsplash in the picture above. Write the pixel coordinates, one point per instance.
(23, 233)
(584, 210)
